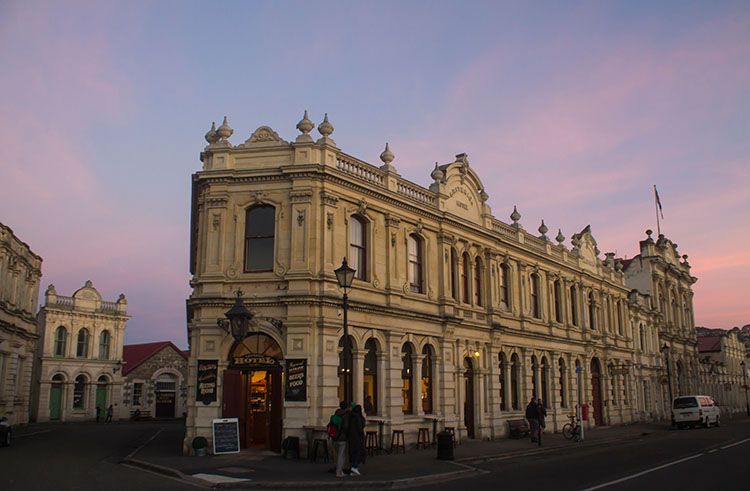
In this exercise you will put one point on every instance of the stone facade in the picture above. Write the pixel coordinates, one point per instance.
(721, 358)
(454, 315)
(20, 272)
(79, 358)
(155, 380)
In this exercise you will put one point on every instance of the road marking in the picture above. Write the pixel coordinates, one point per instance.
(714, 450)
(639, 474)
(29, 434)
(736, 443)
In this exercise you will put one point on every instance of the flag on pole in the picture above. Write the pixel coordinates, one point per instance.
(658, 201)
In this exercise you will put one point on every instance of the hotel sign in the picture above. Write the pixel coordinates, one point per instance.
(254, 360)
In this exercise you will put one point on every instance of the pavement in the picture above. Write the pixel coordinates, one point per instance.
(259, 469)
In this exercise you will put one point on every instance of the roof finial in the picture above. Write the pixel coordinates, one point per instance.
(325, 128)
(224, 130)
(543, 230)
(515, 216)
(211, 136)
(305, 126)
(560, 237)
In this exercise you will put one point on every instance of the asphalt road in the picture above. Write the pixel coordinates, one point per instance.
(80, 457)
(699, 459)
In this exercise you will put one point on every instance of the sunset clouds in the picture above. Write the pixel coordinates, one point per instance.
(571, 112)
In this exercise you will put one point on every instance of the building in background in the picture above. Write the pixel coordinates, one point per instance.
(20, 272)
(721, 357)
(454, 316)
(155, 380)
(79, 358)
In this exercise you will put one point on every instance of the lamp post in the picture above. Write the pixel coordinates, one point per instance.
(345, 276)
(237, 319)
(665, 350)
(744, 384)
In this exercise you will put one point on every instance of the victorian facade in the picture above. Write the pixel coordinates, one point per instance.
(78, 371)
(20, 272)
(155, 380)
(454, 316)
(723, 374)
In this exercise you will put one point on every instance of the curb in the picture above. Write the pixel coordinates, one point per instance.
(154, 468)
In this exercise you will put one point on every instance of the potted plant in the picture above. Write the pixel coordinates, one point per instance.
(200, 444)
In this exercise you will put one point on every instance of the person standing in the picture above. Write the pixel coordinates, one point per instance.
(342, 436)
(542, 414)
(356, 440)
(532, 414)
(110, 412)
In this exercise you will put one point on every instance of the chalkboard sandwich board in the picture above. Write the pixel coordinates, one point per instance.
(226, 435)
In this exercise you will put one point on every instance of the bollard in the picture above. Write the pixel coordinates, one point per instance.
(444, 446)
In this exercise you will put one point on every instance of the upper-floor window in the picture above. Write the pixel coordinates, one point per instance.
(478, 282)
(573, 305)
(642, 338)
(61, 338)
(82, 349)
(558, 301)
(454, 275)
(104, 345)
(416, 280)
(358, 247)
(535, 310)
(504, 299)
(260, 226)
(465, 277)
(619, 318)
(592, 311)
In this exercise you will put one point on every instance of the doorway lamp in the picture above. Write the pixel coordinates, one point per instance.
(744, 384)
(345, 276)
(238, 319)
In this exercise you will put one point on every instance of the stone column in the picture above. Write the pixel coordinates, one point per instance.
(416, 390)
(358, 385)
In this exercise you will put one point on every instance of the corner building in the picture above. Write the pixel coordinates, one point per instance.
(454, 316)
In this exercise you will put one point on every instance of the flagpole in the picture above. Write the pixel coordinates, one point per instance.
(656, 209)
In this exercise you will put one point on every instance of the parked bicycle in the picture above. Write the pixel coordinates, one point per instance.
(572, 430)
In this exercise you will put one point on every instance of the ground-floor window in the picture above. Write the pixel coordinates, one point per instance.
(79, 392)
(407, 354)
(427, 380)
(370, 378)
(137, 393)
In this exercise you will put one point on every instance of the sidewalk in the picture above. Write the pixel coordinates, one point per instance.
(251, 469)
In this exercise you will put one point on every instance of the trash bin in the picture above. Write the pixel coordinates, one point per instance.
(444, 446)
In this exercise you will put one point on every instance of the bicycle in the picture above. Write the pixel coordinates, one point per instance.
(572, 430)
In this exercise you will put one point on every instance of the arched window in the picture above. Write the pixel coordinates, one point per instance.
(573, 305)
(613, 384)
(535, 310)
(646, 398)
(61, 338)
(427, 380)
(407, 355)
(260, 228)
(501, 384)
(642, 338)
(82, 348)
(358, 247)
(558, 301)
(79, 392)
(662, 302)
(416, 279)
(515, 369)
(619, 318)
(504, 298)
(607, 315)
(344, 369)
(592, 313)
(371, 377)
(563, 384)
(465, 277)
(478, 282)
(104, 345)
(454, 275)
(675, 311)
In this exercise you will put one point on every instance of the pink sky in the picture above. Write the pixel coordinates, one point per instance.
(572, 114)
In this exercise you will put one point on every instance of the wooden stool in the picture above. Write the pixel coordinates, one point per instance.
(452, 431)
(423, 438)
(292, 445)
(319, 442)
(395, 443)
(371, 443)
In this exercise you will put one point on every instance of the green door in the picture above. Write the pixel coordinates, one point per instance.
(101, 398)
(55, 397)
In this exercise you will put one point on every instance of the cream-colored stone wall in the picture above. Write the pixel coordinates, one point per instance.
(315, 190)
(84, 310)
(20, 272)
(722, 374)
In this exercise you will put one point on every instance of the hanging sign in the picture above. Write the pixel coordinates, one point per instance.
(296, 380)
(254, 360)
(206, 386)
(226, 435)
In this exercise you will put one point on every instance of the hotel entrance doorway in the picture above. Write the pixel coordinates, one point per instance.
(253, 392)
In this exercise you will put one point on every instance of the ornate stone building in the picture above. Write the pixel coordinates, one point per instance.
(721, 358)
(155, 380)
(454, 315)
(80, 356)
(20, 272)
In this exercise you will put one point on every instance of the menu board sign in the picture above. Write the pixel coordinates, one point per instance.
(206, 386)
(226, 435)
(296, 380)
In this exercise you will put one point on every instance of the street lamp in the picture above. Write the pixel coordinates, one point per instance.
(345, 276)
(665, 350)
(744, 383)
(238, 319)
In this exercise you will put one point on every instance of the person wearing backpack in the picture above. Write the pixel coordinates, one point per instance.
(342, 435)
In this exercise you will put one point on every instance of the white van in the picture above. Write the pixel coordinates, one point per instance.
(694, 410)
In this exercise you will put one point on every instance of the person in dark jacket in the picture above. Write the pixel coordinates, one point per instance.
(356, 439)
(342, 436)
(542, 414)
(532, 414)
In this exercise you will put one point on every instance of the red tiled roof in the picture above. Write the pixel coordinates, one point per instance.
(135, 354)
(625, 263)
(709, 344)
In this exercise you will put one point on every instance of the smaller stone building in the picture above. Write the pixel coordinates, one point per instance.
(79, 358)
(20, 272)
(155, 380)
(721, 358)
